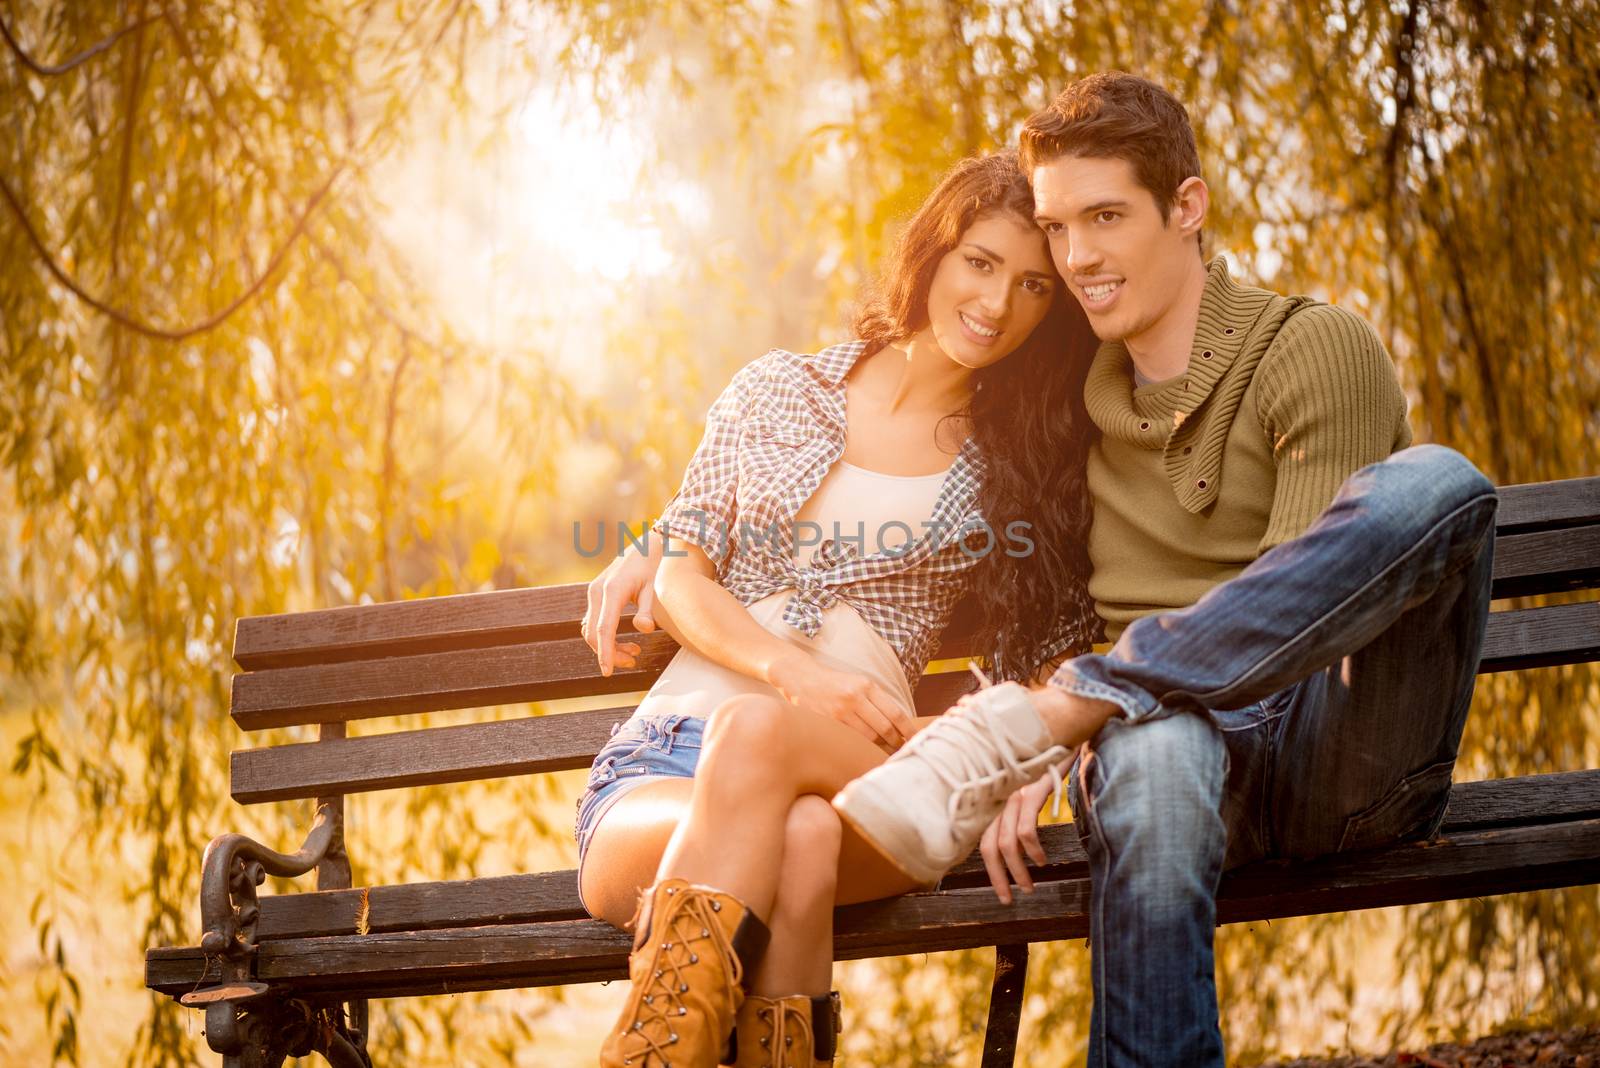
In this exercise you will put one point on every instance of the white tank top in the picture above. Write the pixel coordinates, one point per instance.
(855, 500)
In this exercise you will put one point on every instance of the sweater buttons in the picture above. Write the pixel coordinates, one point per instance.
(1201, 484)
(1145, 425)
(1229, 330)
(1187, 449)
(1206, 355)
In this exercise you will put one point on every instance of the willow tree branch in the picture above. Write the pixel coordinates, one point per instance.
(140, 326)
(45, 70)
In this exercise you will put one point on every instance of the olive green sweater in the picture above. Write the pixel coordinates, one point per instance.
(1193, 478)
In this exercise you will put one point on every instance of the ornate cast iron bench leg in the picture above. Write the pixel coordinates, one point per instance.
(245, 1021)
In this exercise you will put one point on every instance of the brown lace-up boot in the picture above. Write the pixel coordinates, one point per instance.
(796, 1031)
(689, 958)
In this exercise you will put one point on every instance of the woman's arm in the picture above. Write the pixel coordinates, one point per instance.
(702, 615)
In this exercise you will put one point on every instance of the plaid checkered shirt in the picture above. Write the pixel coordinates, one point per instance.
(770, 439)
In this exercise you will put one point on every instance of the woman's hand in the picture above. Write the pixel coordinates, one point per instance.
(626, 579)
(1015, 832)
(852, 699)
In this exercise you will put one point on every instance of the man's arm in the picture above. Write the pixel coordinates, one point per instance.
(1330, 403)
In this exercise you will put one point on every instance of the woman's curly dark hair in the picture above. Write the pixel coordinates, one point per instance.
(1028, 418)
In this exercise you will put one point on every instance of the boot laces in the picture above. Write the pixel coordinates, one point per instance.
(688, 924)
(786, 1022)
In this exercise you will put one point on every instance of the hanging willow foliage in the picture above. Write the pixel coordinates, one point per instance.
(224, 392)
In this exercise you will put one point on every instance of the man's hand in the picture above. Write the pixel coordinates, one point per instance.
(852, 699)
(630, 577)
(1013, 833)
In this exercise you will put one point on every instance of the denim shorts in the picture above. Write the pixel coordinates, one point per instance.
(646, 748)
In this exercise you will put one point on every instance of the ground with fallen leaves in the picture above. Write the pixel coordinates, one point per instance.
(1578, 1048)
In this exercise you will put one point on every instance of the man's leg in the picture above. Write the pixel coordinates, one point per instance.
(1391, 548)
(1395, 576)
(1147, 798)
(1396, 537)
(1365, 753)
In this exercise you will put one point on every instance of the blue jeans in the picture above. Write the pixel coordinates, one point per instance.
(1310, 705)
(647, 748)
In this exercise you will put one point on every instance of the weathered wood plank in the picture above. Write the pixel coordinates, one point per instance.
(511, 674)
(1530, 637)
(1542, 505)
(434, 625)
(464, 753)
(403, 628)
(1531, 800)
(521, 616)
(1547, 561)
(1553, 797)
(1474, 863)
(528, 898)
(1541, 637)
(427, 757)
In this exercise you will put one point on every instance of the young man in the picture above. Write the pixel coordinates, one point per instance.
(1297, 600)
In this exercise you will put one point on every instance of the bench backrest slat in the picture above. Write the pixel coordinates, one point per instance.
(1542, 505)
(523, 616)
(1538, 562)
(516, 646)
(464, 753)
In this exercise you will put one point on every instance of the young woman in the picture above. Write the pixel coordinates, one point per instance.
(838, 507)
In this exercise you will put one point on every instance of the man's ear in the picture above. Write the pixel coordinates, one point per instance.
(1189, 207)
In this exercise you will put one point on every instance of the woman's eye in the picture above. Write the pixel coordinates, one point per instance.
(1033, 285)
(978, 263)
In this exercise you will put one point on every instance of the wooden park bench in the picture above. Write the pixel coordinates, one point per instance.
(288, 974)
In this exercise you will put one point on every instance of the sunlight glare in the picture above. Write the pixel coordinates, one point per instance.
(582, 201)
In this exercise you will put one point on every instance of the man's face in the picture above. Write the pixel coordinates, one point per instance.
(1107, 238)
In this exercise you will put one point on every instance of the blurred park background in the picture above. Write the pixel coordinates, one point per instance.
(322, 302)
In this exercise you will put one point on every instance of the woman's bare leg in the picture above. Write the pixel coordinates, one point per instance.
(799, 959)
(626, 853)
(760, 755)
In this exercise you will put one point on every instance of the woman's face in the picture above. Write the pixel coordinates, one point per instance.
(991, 290)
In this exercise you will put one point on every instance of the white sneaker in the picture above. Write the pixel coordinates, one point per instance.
(927, 805)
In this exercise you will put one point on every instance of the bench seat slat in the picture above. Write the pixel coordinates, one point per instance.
(401, 628)
(1528, 637)
(1503, 860)
(1528, 800)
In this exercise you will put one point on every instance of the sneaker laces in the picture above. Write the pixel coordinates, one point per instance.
(976, 758)
(967, 765)
(660, 999)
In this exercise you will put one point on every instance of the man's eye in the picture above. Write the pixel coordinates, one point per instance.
(1052, 228)
(1106, 216)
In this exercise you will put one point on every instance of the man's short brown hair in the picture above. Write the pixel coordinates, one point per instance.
(1114, 115)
